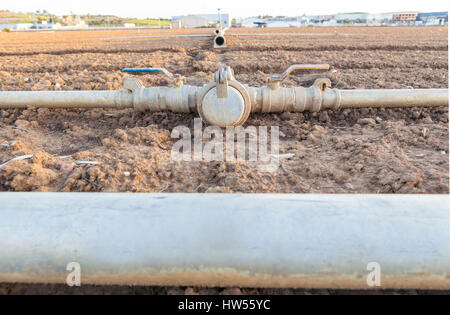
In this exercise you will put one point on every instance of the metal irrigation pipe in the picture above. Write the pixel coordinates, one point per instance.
(265, 240)
(225, 101)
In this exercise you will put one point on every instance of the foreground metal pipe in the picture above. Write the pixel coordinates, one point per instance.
(268, 240)
(225, 101)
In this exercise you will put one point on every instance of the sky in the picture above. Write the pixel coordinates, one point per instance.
(236, 8)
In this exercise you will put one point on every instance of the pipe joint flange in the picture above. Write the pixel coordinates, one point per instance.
(232, 110)
(319, 86)
(338, 99)
(300, 99)
(142, 102)
(316, 99)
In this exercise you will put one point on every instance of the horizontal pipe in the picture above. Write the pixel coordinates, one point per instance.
(268, 240)
(393, 98)
(66, 99)
(299, 99)
(284, 34)
(266, 99)
(159, 36)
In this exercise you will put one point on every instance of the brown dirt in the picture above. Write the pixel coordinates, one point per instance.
(356, 151)
(59, 289)
(348, 151)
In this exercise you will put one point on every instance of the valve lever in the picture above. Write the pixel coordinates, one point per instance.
(274, 80)
(178, 79)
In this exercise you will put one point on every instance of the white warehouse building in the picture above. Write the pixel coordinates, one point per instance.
(351, 17)
(200, 20)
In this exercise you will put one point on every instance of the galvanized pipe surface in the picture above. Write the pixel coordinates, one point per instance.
(268, 240)
(266, 99)
(393, 98)
(66, 99)
(299, 99)
(156, 99)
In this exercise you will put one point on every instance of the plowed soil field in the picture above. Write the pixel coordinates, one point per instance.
(344, 151)
(347, 151)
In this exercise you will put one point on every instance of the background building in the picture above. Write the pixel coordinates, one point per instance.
(359, 17)
(381, 18)
(433, 18)
(404, 17)
(200, 20)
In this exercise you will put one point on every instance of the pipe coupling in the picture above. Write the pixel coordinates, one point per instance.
(156, 99)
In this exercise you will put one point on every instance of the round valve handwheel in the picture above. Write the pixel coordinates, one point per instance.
(232, 110)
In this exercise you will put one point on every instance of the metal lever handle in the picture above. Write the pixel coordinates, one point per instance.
(279, 78)
(178, 79)
(148, 70)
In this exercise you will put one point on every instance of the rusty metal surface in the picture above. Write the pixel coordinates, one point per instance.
(295, 241)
